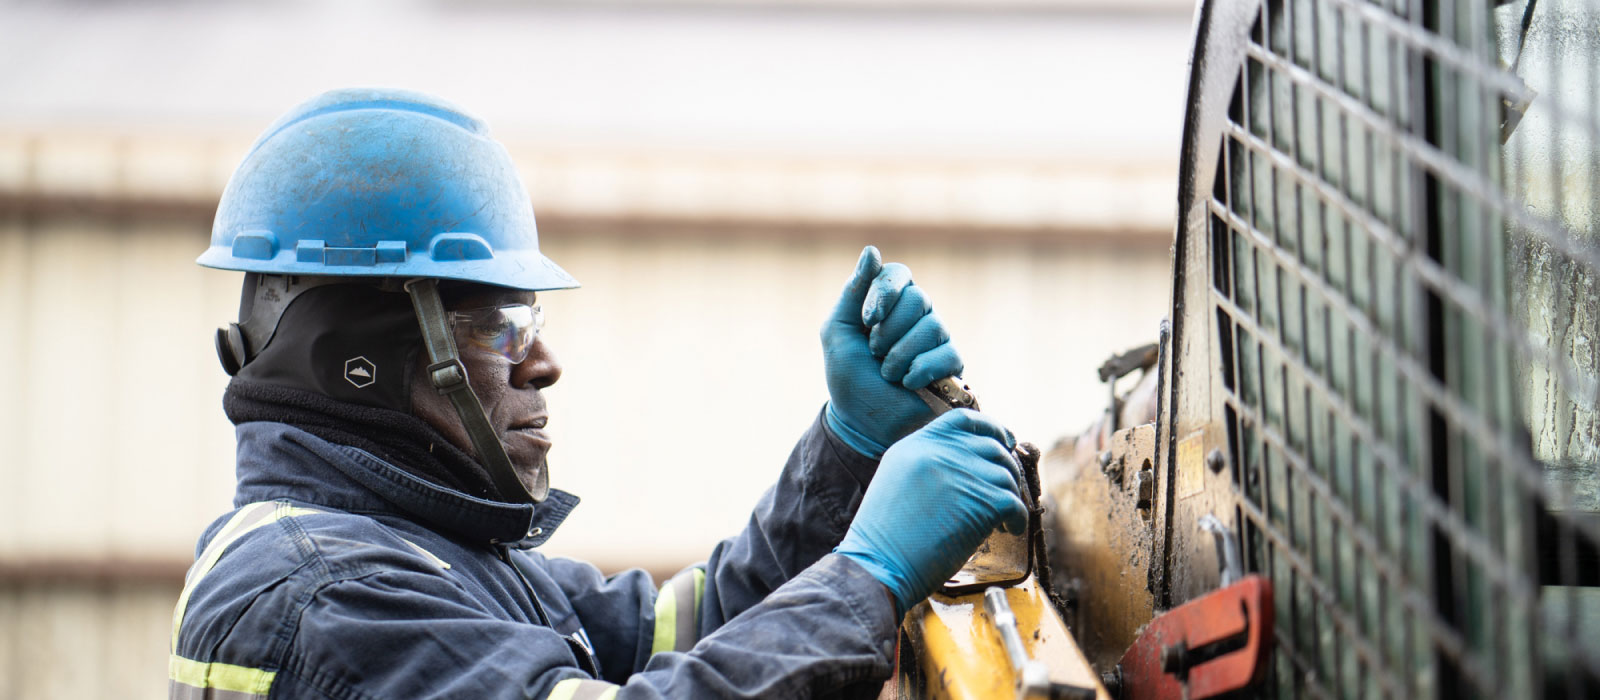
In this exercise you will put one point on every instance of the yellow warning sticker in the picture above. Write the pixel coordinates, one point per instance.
(1191, 464)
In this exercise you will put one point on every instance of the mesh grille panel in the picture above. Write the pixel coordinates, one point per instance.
(1403, 278)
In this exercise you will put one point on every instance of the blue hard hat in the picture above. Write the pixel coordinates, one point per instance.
(381, 183)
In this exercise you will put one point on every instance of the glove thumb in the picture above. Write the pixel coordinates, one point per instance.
(848, 311)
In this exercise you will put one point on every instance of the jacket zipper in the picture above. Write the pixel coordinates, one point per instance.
(580, 648)
(505, 556)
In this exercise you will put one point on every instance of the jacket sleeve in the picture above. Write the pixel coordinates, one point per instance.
(794, 525)
(827, 632)
(798, 521)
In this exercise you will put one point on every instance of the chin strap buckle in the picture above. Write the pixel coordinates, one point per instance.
(449, 376)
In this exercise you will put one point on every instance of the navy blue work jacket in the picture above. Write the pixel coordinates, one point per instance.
(342, 576)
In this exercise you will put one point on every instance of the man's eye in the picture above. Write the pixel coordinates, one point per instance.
(489, 330)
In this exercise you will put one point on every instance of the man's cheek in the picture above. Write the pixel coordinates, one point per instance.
(491, 396)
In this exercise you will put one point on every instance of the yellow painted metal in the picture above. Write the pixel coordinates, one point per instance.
(956, 652)
(1105, 536)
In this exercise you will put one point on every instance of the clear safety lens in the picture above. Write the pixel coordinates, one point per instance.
(508, 331)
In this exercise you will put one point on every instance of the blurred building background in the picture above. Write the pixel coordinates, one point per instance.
(709, 170)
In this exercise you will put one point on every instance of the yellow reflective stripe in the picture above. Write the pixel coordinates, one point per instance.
(248, 518)
(238, 679)
(583, 689)
(208, 559)
(564, 690)
(211, 552)
(666, 636)
(678, 611)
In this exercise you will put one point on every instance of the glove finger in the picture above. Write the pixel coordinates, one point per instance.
(884, 292)
(966, 420)
(926, 336)
(847, 313)
(1012, 514)
(996, 454)
(912, 306)
(931, 366)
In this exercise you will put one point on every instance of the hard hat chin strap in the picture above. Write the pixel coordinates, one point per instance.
(449, 377)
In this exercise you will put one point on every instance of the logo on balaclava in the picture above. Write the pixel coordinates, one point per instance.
(360, 372)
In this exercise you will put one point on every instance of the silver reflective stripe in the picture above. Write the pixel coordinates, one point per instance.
(248, 518)
(190, 679)
(688, 600)
(180, 691)
(243, 521)
(678, 612)
(436, 560)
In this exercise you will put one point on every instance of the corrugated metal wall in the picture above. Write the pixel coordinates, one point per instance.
(114, 437)
(85, 639)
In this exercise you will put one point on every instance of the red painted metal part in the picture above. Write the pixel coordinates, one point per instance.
(1241, 612)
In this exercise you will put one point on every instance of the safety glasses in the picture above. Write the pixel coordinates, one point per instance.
(508, 331)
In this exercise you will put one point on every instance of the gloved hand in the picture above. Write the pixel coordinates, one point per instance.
(937, 495)
(872, 375)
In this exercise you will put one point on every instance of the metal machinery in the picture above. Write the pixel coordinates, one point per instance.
(1363, 459)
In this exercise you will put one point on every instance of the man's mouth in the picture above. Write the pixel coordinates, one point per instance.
(532, 429)
(534, 423)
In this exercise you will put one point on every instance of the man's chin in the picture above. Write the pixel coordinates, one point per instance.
(536, 478)
(526, 449)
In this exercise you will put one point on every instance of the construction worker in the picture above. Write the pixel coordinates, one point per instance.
(392, 484)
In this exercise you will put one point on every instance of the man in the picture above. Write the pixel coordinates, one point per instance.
(391, 456)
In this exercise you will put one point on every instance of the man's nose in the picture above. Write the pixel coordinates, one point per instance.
(541, 369)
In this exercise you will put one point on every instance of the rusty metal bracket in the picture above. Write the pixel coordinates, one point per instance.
(1124, 363)
(1215, 644)
(1004, 559)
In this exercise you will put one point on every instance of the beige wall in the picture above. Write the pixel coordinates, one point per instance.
(84, 640)
(691, 353)
(709, 170)
(692, 363)
(115, 440)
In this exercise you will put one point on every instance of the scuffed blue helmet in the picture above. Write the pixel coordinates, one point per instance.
(394, 191)
(381, 183)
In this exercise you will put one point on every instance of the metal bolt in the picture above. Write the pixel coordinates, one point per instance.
(1145, 482)
(1216, 461)
(1172, 657)
(1112, 680)
(1105, 459)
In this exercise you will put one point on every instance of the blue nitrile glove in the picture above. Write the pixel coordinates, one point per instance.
(937, 495)
(872, 376)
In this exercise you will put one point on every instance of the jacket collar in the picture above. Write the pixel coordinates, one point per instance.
(281, 461)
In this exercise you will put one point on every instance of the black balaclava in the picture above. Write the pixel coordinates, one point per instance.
(353, 343)
(338, 363)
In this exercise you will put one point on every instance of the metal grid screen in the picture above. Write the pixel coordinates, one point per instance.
(1403, 278)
